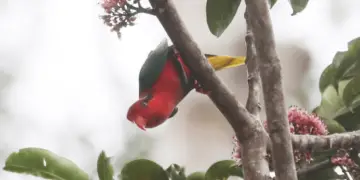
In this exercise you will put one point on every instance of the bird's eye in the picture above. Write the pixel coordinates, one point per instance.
(148, 97)
(144, 103)
(146, 100)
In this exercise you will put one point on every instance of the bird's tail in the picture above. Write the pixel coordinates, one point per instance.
(223, 62)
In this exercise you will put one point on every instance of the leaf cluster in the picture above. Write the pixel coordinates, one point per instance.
(220, 13)
(48, 165)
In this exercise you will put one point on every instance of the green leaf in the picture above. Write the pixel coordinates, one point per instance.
(353, 70)
(351, 92)
(143, 169)
(104, 167)
(298, 6)
(219, 14)
(337, 62)
(345, 66)
(43, 163)
(347, 63)
(223, 169)
(333, 126)
(272, 3)
(196, 176)
(351, 120)
(176, 172)
(338, 58)
(332, 105)
(354, 45)
(327, 77)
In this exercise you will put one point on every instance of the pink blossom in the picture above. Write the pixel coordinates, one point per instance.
(342, 161)
(108, 4)
(305, 123)
(236, 151)
(301, 122)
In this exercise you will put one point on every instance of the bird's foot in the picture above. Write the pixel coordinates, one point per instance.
(200, 89)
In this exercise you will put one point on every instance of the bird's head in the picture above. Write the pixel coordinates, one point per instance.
(149, 111)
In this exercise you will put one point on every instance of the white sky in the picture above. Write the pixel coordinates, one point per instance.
(73, 78)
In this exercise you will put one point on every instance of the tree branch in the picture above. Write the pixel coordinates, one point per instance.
(312, 143)
(271, 78)
(249, 132)
(315, 167)
(253, 101)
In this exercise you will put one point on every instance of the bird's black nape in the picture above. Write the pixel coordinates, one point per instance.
(153, 66)
(174, 112)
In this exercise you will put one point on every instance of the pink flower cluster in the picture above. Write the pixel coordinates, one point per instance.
(120, 13)
(301, 122)
(344, 161)
(342, 158)
(236, 155)
(109, 4)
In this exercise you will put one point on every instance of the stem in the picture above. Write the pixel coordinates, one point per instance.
(140, 8)
(345, 172)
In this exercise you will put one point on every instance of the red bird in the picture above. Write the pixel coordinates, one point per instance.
(164, 80)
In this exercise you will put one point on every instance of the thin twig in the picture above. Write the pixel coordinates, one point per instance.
(345, 172)
(271, 78)
(140, 8)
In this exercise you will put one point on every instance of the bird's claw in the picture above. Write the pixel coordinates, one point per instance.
(200, 89)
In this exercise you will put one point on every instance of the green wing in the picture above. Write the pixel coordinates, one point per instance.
(153, 66)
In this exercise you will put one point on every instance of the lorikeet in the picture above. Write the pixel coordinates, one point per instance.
(164, 80)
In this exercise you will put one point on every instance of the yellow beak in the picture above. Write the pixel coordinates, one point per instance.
(223, 62)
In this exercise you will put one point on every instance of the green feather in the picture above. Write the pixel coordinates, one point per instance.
(153, 66)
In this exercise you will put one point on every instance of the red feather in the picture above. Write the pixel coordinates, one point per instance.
(166, 94)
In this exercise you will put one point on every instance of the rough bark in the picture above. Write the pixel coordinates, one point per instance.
(270, 73)
(312, 143)
(254, 83)
(253, 106)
